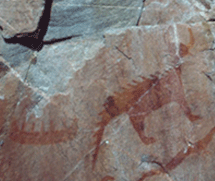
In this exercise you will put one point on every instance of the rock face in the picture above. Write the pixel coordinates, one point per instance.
(130, 99)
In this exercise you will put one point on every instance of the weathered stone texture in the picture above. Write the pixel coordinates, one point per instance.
(122, 102)
(168, 11)
(19, 16)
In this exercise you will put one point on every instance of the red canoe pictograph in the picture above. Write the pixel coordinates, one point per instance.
(26, 132)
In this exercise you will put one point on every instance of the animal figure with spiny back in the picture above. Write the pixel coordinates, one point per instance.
(144, 97)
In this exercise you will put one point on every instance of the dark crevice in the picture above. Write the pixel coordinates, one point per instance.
(129, 58)
(126, 56)
(50, 42)
(34, 40)
(138, 20)
(208, 76)
(211, 20)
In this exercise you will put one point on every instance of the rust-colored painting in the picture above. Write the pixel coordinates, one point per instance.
(142, 98)
(184, 49)
(89, 132)
(41, 137)
(182, 155)
(24, 132)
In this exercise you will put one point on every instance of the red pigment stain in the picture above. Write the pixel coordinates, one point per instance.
(184, 49)
(108, 178)
(22, 135)
(41, 137)
(139, 100)
(182, 155)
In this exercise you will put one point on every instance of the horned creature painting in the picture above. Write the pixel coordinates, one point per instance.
(144, 97)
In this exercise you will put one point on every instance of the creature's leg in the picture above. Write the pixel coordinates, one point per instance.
(184, 105)
(106, 118)
(138, 124)
(179, 96)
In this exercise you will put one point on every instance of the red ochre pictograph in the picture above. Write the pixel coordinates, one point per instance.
(41, 137)
(142, 98)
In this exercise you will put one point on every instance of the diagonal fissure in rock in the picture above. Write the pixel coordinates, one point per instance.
(142, 7)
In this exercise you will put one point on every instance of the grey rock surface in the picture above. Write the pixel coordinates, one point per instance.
(88, 17)
(68, 18)
(68, 57)
(20, 15)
